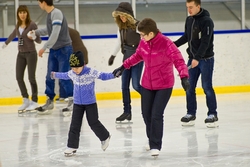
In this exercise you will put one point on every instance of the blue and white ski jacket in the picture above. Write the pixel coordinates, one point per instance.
(84, 83)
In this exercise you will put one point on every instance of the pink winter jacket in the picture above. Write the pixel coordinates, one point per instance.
(159, 55)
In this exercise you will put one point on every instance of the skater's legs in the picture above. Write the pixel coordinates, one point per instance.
(159, 104)
(97, 127)
(52, 66)
(194, 74)
(20, 68)
(63, 56)
(153, 105)
(75, 126)
(147, 99)
(207, 67)
(126, 77)
(32, 62)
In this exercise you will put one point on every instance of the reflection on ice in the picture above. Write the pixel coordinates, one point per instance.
(33, 140)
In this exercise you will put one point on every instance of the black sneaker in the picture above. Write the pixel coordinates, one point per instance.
(211, 121)
(124, 116)
(188, 120)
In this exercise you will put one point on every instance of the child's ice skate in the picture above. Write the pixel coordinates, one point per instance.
(46, 108)
(22, 108)
(70, 152)
(105, 143)
(155, 153)
(67, 111)
(124, 118)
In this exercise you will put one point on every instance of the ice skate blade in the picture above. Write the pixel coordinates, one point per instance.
(212, 125)
(190, 123)
(32, 111)
(27, 114)
(155, 156)
(124, 122)
(21, 111)
(69, 154)
(46, 112)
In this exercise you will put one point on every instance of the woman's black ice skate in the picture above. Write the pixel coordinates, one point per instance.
(123, 117)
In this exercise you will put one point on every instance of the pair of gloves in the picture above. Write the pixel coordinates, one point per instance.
(184, 81)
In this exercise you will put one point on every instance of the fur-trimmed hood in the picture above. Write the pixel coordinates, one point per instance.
(124, 9)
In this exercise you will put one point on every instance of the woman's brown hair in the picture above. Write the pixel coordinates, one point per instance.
(23, 8)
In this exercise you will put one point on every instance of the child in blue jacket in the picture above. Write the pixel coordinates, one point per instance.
(83, 79)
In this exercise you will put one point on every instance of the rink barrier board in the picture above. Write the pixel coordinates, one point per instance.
(134, 94)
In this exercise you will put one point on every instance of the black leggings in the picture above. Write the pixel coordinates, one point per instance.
(28, 59)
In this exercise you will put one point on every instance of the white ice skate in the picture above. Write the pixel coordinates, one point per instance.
(22, 108)
(105, 143)
(70, 152)
(32, 106)
(147, 147)
(155, 153)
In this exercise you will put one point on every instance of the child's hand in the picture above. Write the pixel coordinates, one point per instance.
(118, 72)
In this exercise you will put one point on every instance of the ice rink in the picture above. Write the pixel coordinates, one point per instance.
(33, 140)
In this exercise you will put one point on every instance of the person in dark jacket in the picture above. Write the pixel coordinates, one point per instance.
(26, 57)
(200, 36)
(127, 41)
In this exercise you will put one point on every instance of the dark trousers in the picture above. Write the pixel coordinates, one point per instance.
(154, 103)
(28, 59)
(76, 123)
(205, 69)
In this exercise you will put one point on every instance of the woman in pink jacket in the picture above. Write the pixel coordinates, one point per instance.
(159, 54)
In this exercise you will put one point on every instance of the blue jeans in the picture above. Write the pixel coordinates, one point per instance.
(58, 61)
(205, 69)
(133, 73)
